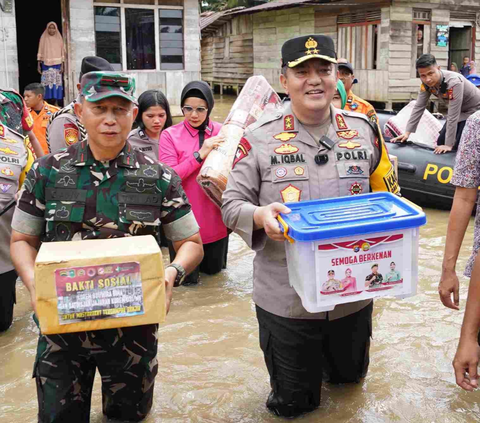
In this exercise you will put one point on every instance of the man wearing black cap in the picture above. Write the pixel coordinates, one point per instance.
(64, 128)
(354, 103)
(307, 150)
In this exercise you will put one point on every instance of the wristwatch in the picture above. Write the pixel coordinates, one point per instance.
(181, 273)
(196, 154)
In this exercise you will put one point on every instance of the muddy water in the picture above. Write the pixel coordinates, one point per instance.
(212, 370)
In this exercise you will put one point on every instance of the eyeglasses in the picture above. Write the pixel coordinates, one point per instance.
(189, 110)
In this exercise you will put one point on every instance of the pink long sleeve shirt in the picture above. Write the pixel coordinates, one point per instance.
(177, 145)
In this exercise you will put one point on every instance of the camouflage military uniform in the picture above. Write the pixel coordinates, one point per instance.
(69, 195)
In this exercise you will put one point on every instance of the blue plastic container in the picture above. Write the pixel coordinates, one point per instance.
(335, 244)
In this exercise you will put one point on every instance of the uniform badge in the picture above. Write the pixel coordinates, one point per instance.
(10, 141)
(5, 187)
(7, 171)
(450, 93)
(299, 171)
(28, 122)
(356, 189)
(350, 145)
(286, 149)
(280, 172)
(8, 151)
(355, 170)
(285, 136)
(242, 151)
(2, 130)
(354, 106)
(350, 100)
(66, 181)
(288, 123)
(341, 122)
(150, 172)
(348, 135)
(372, 116)
(291, 194)
(70, 133)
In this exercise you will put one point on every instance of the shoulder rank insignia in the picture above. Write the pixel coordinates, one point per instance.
(350, 145)
(242, 151)
(286, 149)
(288, 123)
(291, 194)
(2, 130)
(348, 135)
(285, 136)
(70, 132)
(341, 122)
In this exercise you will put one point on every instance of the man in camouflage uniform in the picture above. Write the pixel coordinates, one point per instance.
(101, 189)
(64, 128)
(15, 161)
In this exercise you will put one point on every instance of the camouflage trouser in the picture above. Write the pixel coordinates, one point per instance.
(65, 369)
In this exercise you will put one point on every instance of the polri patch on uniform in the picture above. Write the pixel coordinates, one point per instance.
(70, 133)
(350, 145)
(291, 194)
(288, 123)
(285, 136)
(280, 172)
(341, 122)
(242, 151)
(299, 171)
(355, 170)
(286, 149)
(356, 189)
(7, 171)
(5, 187)
(348, 135)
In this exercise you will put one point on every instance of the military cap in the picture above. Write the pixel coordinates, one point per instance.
(298, 50)
(96, 86)
(94, 64)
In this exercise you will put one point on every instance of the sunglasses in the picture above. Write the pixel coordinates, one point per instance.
(189, 109)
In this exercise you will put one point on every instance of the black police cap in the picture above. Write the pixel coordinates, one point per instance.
(94, 64)
(299, 49)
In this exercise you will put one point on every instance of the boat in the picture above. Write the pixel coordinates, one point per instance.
(424, 177)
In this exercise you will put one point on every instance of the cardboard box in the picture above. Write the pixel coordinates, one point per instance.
(353, 248)
(99, 284)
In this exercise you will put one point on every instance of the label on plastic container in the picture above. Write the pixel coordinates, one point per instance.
(98, 292)
(354, 267)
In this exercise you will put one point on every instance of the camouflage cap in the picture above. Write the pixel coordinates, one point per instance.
(96, 86)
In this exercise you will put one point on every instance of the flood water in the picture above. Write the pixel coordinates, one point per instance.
(212, 370)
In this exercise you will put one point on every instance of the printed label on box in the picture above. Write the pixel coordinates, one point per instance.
(99, 292)
(350, 268)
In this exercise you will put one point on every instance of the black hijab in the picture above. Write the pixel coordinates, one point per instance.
(199, 89)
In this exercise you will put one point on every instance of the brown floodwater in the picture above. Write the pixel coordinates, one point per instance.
(212, 369)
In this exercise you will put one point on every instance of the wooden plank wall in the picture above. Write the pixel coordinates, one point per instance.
(227, 57)
(270, 30)
(372, 84)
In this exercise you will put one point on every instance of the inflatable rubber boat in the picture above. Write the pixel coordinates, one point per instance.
(424, 177)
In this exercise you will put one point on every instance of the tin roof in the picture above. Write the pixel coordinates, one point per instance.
(216, 19)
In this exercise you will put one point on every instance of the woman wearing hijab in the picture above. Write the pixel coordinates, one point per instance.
(184, 147)
(454, 67)
(340, 97)
(153, 117)
(51, 55)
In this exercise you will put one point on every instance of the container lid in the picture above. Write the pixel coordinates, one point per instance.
(353, 215)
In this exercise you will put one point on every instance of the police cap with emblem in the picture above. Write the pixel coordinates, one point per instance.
(96, 86)
(299, 49)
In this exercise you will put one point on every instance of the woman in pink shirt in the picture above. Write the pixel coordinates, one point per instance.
(184, 147)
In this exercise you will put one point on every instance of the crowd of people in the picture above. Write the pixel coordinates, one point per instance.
(107, 135)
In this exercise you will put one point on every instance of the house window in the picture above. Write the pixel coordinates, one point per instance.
(358, 38)
(125, 34)
(421, 35)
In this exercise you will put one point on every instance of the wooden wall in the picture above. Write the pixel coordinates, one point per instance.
(227, 57)
(270, 30)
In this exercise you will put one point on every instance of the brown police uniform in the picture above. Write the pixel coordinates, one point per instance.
(139, 140)
(64, 129)
(460, 96)
(15, 160)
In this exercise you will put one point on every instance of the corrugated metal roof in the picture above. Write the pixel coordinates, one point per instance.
(208, 18)
(280, 4)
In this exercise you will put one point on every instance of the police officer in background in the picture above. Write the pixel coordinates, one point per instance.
(15, 161)
(119, 192)
(64, 128)
(308, 150)
(451, 88)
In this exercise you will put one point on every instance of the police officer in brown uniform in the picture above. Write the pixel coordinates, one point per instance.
(307, 150)
(15, 161)
(451, 88)
(64, 128)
